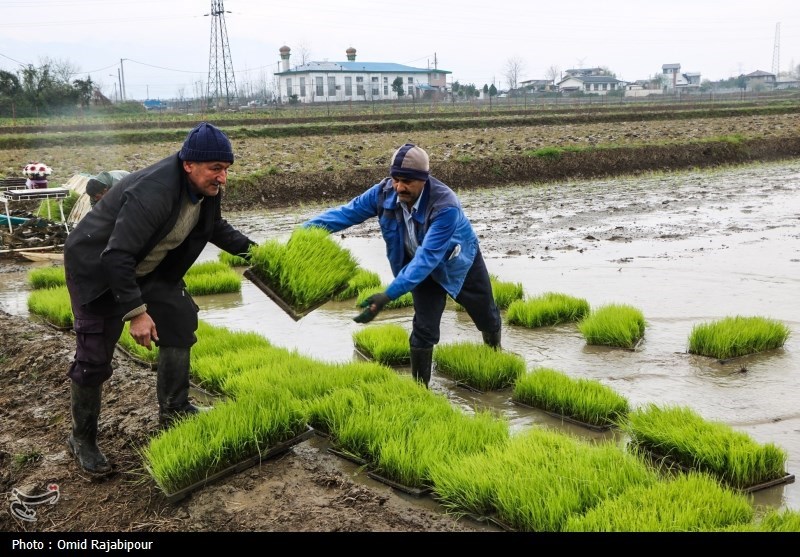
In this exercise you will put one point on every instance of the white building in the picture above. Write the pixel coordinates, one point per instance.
(675, 79)
(355, 81)
(595, 84)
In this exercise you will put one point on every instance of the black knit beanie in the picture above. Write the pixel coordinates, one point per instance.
(206, 143)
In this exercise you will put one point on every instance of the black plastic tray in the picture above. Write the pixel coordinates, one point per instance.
(565, 418)
(669, 461)
(249, 462)
(416, 492)
(368, 357)
(293, 312)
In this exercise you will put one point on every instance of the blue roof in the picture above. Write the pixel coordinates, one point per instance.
(371, 67)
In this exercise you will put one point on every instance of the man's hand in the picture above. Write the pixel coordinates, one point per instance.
(374, 304)
(143, 330)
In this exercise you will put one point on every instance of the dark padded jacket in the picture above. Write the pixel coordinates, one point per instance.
(104, 248)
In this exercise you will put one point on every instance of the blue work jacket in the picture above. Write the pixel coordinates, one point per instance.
(447, 242)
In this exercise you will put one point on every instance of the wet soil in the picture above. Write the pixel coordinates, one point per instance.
(680, 247)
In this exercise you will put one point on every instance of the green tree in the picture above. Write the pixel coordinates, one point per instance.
(492, 90)
(84, 88)
(397, 86)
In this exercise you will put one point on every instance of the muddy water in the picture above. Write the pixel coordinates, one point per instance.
(684, 248)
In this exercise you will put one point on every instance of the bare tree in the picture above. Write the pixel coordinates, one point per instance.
(304, 52)
(513, 70)
(62, 70)
(553, 73)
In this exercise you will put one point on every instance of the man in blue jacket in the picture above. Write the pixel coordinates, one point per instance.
(125, 261)
(432, 249)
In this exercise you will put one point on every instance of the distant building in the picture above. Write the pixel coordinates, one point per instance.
(355, 81)
(674, 79)
(539, 85)
(595, 84)
(760, 80)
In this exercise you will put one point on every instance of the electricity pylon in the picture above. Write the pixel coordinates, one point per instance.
(221, 81)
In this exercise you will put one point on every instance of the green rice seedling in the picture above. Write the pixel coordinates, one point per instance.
(53, 305)
(232, 260)
(691, 502)
(538, 479)
(212, 372)
(403, 429)
(214, 340)
(613, 325)
(547, 310)
(361, 280)
(478, 365)
(504, 293)
(212, 277)
(129, 345)
(404, 301)
(319, 379)
(385, 343)
(46, 277)
(682, 436)
(295, 272)
(407, 456)
(203, 444)
(737, 336)
(564, 481)
(785, 520)
(585, 400)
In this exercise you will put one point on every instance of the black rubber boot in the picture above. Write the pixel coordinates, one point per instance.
(421, 360)
(172, 385)
(83, 440)
(492, 339)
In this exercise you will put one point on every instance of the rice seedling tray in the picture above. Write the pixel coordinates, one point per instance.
(415, 491)
(249, 462)
(348, 456)
(562, 417)
(670, 462)
(144, 363)
(293, 312)
(467, 386)
(365, 355)
(53, 325)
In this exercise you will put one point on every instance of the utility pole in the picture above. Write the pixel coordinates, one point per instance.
(221, 80)
(122, 79)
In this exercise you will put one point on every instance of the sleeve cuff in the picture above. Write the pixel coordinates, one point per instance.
(134, 312)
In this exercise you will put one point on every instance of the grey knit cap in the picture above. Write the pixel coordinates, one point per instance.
(206, 143)
(410, 161)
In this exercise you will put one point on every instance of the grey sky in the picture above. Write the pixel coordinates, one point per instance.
(165, 43)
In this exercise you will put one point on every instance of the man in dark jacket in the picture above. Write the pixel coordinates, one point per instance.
(432, 249)
(125, 262)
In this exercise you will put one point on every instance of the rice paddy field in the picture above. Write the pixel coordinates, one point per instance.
(683, 248)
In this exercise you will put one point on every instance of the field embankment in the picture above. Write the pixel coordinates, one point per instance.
(318, 160)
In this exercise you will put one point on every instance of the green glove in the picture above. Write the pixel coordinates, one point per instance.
(374, 304)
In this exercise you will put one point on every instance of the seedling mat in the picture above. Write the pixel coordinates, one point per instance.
(670, 462)
(361, 353)
(293, 312)
(278, 449)
(565, 418)
(416, 492)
